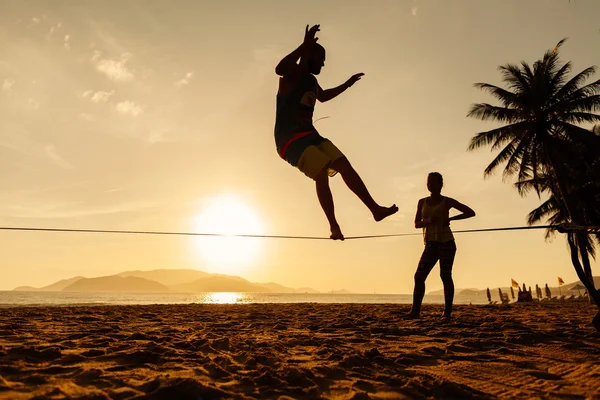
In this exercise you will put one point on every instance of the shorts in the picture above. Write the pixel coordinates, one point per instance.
(316, 157)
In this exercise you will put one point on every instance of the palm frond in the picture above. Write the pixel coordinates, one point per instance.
(506, 97)
(513, 164)
(514, 77)
(498, 136)
(574, 83)
(486, 111)
(504, 155)
(542, 212)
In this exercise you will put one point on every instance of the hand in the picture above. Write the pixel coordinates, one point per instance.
(353, 79)
(309, 35)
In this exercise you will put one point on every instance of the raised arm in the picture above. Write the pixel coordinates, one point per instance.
(289, 64)
(466, 211)
(328, 94)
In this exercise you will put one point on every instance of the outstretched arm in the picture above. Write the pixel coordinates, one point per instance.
(289, 64)
(328, 94)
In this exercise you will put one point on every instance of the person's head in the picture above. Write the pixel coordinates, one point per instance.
(317, 59)
(435, 182)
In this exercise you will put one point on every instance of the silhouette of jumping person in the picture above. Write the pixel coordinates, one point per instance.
(297, 140)
(433, 216)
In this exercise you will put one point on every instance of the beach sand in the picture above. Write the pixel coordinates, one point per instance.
(346, 351)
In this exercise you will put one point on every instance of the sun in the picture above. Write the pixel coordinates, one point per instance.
(227, 215)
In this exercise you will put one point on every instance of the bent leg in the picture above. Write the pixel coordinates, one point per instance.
(356, 184)
(426, 264)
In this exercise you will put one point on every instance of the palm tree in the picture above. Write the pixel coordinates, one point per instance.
(543, 109)
(585, 191)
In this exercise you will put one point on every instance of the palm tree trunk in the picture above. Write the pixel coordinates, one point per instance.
(585, 257)
(585, 276)
(592, 292)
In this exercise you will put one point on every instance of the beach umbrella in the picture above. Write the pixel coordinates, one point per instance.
(578, 287)
(489, 295)
(537, 291)
(512, 292)
(548, 292)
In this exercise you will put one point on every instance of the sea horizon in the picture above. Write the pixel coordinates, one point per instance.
(26, 299)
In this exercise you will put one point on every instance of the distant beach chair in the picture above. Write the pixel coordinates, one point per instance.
(504, 298)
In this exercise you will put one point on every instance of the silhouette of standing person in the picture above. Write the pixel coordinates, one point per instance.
(433, 217)
(297, 140)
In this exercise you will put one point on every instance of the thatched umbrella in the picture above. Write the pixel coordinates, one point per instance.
(548, 292)
(489, 295)
(512, 293)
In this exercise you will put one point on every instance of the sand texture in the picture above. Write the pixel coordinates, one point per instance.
(304, 351)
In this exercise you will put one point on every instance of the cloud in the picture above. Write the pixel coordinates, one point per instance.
(54, 156)
(129, 108)
(115, 70)
(97, 97)
(28, 208)
(67, 42)
(33, 103)
(185, 80)
(414, 10)
(53, 29)
(8, 84)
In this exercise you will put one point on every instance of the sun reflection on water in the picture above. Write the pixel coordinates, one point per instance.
(220, 298)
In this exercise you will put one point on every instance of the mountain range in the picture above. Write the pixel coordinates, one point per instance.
(166, 280)
(564, 289)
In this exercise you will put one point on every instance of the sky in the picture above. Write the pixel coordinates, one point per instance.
(158, 116)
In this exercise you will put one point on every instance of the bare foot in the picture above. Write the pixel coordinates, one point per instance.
(446, 317)
(336, 233)
(412, 315)
(383, 212)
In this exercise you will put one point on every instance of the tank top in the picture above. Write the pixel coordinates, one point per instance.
(295, 110)
(438, 231)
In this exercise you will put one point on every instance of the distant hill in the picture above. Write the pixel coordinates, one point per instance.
(306, 290)
(25, 289)
(276, 288)
(506, 289)
(116, 283)
(55, 287)
(219, 284)
(168, 277)
(163, 280)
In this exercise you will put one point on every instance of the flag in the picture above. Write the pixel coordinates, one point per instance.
(515, 284)
(560, 281)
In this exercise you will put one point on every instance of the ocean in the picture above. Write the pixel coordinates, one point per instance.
(18, 299)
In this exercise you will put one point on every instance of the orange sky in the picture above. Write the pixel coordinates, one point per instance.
(150, 115)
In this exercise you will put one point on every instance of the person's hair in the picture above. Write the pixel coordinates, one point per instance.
(438, 176)
(316, 47)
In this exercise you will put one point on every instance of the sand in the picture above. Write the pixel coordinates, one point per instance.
(311, 351)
